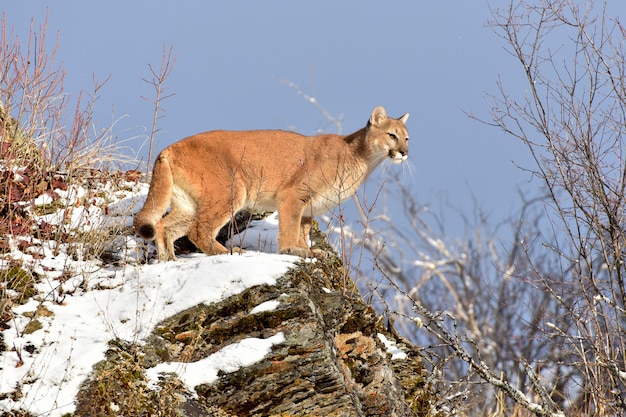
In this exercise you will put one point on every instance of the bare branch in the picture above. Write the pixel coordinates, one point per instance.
(158, 83)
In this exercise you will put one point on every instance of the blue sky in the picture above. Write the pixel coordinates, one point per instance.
(434, 60)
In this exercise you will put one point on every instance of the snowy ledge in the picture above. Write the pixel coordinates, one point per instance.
(76, 333)
(229, 359)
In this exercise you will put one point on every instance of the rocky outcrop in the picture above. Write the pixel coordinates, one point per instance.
(332, 361)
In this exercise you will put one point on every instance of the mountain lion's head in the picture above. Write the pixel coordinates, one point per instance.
(390, 138)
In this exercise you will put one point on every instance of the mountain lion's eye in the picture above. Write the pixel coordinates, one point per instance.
(393, 136)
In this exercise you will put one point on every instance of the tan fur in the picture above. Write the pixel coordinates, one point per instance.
(205, 179)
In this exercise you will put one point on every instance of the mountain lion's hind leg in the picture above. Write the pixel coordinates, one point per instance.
(209, 220)
(171, 227)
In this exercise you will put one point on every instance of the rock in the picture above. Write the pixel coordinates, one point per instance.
(331, 363)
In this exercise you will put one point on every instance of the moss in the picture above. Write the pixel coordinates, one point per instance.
(32, 326)
(49, 208)
(42, 311)
(119, 387)
(20, 281)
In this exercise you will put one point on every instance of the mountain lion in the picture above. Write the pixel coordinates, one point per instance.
(205, 179)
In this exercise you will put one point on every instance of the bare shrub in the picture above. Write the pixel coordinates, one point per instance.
(51, 134)
(53, 160)
(467, 302)
(573, 121)
(45, 143)
(538, 317)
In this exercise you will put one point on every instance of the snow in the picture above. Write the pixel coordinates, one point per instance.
(229, 359)
(396, 353)
(96, 303)
(262, 234)
(266, 306)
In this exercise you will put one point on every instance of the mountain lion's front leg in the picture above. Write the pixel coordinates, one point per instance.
(291, 229)
(290, 210)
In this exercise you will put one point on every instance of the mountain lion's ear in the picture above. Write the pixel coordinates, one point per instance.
(378, 115)
(404, 118)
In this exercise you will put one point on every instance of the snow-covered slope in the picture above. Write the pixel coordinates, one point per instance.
(82, 304)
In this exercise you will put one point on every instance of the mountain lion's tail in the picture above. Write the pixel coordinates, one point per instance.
(157, 201)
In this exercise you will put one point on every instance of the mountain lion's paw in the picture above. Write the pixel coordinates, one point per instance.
(304, 253)
(301, 252)
(319, 254)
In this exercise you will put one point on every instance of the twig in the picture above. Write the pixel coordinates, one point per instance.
(157, 82)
